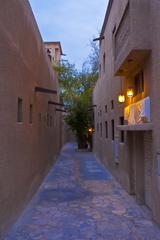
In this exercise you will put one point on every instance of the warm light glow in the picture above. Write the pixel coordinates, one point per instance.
(90, 130)
(130, 92)
(121, 98)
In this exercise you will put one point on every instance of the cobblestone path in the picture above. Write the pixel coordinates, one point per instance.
(80, 200)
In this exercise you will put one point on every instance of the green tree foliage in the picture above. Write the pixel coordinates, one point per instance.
(76, 92)
(94, 58)
(79, 120)
(68, 82)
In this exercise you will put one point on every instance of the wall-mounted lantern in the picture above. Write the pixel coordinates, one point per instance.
(130, 92)
(90, 130)
(121, 98)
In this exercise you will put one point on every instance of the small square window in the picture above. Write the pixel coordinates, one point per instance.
(112, 126)
(121, 121)
(20, 110)
(106, 126)
(139, 83)
(101, 129)
(112, 104)
(104, 62)
(106, 109)
(114, 30)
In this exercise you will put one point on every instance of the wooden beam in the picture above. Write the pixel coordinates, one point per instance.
(55, 103)
(98, 39)
(93, 106)
(45, 90)
(90, 109)
(60, 110)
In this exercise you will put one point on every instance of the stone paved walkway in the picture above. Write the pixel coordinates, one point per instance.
(80, 200)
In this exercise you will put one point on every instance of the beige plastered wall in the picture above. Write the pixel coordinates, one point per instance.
(26, 150)
(107, 89)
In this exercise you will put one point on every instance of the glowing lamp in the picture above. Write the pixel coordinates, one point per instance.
(90, 130)
(121, 98)
(130, 92)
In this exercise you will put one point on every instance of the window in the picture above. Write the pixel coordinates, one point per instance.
(20, 110)
(56, 54)
(121, 121)
(106, 128)
(101, 129)
(97, 127)
(104, 62)
(139, 83)
(112, 104)
(49, 52)
(106, 109)
(112, 126)
(114, 30)
(30, 113)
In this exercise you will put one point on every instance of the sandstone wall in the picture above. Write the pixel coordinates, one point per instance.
(27, 148)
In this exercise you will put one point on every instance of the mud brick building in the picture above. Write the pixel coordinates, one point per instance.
(54, 51)
(127, 134)
(30, 127)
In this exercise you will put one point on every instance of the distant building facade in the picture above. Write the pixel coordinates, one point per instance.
(54, 51)
(30, 126)
(127, 134)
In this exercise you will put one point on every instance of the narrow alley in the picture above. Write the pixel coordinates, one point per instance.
(79, 199)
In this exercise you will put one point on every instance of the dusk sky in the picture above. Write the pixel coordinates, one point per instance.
(73, 22)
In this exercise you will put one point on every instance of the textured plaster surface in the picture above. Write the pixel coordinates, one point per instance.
(80, 200)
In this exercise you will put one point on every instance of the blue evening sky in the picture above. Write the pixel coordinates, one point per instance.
(72, 22)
